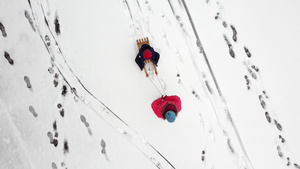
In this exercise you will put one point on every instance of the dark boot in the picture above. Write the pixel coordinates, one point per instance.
(139, 62)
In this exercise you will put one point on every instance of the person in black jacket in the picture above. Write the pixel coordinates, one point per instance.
(146, 52)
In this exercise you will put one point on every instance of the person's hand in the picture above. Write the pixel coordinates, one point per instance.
(163, 97)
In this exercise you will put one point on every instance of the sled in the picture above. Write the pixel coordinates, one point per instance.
(140, 42)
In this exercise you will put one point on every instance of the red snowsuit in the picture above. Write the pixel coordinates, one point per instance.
(162, 105)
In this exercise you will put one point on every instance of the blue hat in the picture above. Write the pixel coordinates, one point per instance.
(170, 116)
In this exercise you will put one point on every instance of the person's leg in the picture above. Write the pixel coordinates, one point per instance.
(155, 58)
(139, 62)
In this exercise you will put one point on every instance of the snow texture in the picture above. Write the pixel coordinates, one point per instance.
(71, 95)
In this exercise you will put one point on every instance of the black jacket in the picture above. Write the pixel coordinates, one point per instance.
(140, 60)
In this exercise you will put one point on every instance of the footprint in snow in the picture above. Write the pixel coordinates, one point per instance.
(50, 136)
(52, 140)
(265, 94)
(27, 81)
(90, 131)
(179, 79)
(203, 155)
(59, 105)
(51, 70)
(231, 52)
(2, 29)
(47, 40)
(262, 102)
(196, 95)
(164, 17)
(212, 135)
(224, 23)
(288, 161)
(253, 74)
(255, 68)
(280, 154)
(178, 18)
(54, 165)
(32, 110)
(54, 125)
(217, 16)
(64, 90)
(247, 51)
(66, 147)
(278, 126)
(157, 163)
(268, 117)
(57, 25)
(74, 91)
(63, 164)
(55, 81)
(230, 146)
(27, 15)
(83, 119)
(234, 36)
(55, 142)
(148, 5)
(7, 57)
(282, 139)
(62, 112)
(226, 40)
(247, 82)
(124, 132)
(87, 125)
(165, 39)
(103, 145)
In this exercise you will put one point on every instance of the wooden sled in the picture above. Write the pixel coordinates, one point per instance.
(140, 42)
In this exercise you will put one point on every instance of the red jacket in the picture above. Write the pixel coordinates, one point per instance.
(161, 105)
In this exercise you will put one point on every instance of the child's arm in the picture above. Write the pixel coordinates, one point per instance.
(155, 103)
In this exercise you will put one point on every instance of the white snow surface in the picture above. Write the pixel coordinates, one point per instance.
(105, 119)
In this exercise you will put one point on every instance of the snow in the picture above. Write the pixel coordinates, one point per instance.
(105, 120)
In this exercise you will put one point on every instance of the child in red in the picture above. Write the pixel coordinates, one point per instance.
(167, 107)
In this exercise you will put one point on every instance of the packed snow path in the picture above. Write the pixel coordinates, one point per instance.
(72, 96)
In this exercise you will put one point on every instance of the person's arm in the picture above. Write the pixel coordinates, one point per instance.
(141, 57)
(178, 103)
(155, 103)
(156, 107)
(139, 62)
(152, 50)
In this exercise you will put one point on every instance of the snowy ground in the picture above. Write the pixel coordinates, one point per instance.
(73, 97)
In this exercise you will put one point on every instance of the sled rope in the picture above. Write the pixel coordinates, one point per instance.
(155, 86)
(161, 85)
